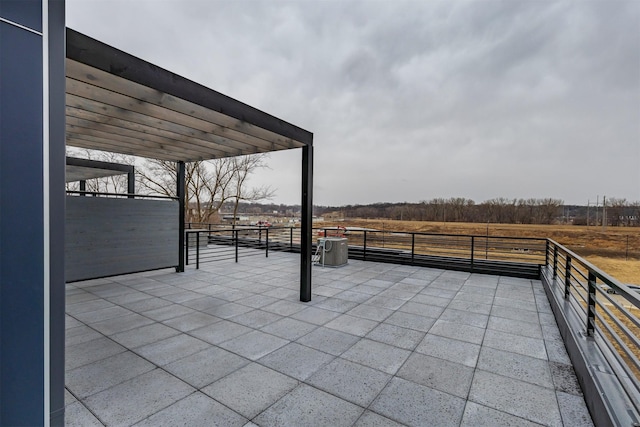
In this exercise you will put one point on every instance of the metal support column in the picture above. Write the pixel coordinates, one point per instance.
(306, 223)
(131, 182)
(473, 247)
(180, 192)
(57, 200)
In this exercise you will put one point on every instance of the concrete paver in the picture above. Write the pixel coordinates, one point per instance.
(378, 345)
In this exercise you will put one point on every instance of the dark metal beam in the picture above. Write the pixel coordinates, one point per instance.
(306, 224)
(96, 164)
(180, 192)
(84, 169)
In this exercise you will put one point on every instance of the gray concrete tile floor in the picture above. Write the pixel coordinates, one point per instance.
(230, 344)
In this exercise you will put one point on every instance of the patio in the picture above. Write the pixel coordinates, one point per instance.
(378, 345)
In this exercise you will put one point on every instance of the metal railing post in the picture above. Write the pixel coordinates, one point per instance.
(486, 248)
(591, 309)
(567, 277)
(236, 234)
(413, 246)
(546, 253)
(473, 245)
(364, 246)
(555, 261)
(291, 239)
(186, 249)
(197, 251)
(267, 243)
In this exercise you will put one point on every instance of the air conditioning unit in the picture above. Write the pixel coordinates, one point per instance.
(333, 251)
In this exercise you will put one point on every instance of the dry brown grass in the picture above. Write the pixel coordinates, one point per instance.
(606, 249)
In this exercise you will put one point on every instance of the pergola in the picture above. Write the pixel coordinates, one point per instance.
(118, 103)
(82, 170)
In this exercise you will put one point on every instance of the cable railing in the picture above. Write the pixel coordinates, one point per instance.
(515, 256)
(608, 309)
(117, 195)
(217, 244)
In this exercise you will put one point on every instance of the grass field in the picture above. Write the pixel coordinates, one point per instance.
(615, 250)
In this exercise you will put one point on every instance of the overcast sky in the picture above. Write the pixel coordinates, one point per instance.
(414, 100)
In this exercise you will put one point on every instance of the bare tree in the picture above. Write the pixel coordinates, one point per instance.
(209, 184)
(244, 166)
(159, 177)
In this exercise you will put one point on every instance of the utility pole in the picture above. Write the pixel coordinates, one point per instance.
(604, 213)
(597, 203)
(587, 212)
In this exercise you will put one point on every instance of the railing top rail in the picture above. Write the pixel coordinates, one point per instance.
(424, 233)
(238, 226)
(220, 230)
(127, 195)
(618, 286)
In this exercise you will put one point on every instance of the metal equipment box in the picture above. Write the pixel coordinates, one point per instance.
(335, 252)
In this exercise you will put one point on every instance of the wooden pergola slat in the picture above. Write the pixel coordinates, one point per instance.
(235, 139)
(100, 113)
(80, 123)
(233, 128)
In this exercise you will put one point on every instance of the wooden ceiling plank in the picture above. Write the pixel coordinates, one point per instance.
(82, 108)
(95, 143)
(112, 82)
(125, 131)
(111, 145)
(92, 92)
(108, 142)
(121, 138)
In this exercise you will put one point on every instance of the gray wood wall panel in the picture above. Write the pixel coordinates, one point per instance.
(111, 236)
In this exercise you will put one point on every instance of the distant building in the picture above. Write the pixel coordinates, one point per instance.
(334, 216)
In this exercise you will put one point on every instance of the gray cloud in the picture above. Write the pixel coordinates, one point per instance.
(410, 100)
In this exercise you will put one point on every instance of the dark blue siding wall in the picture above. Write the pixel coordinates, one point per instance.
(24, 187)
(23, 12)
(21, 227)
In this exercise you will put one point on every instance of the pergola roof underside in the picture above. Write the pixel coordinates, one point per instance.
(110, 113)
(80, 173)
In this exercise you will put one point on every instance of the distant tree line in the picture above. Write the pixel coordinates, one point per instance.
(458, 209)
(617, 212)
